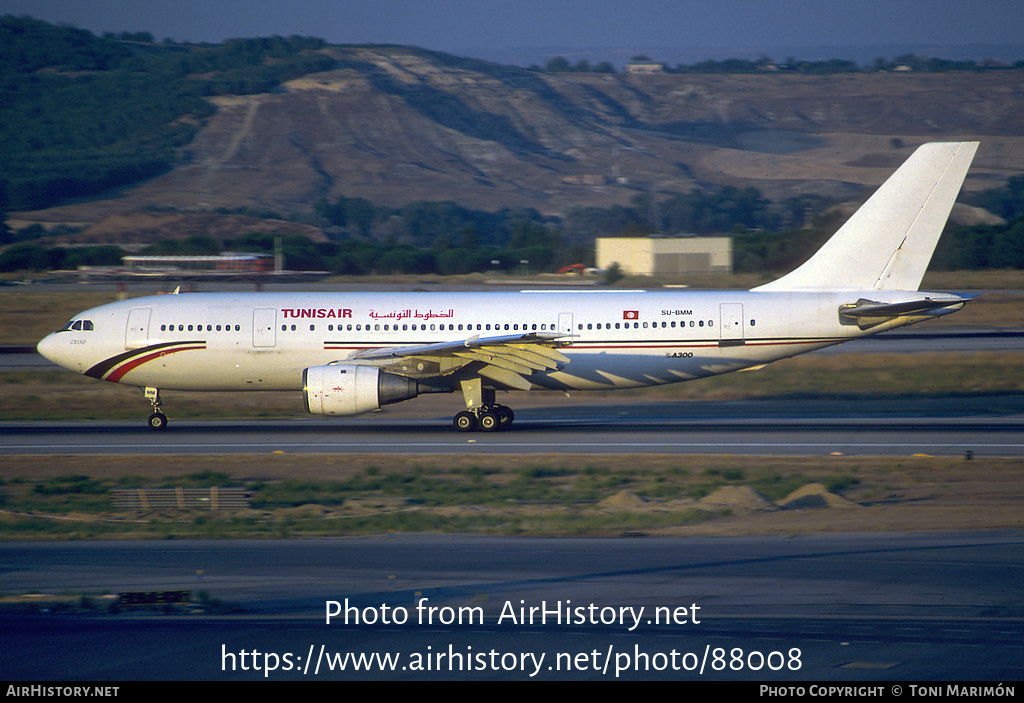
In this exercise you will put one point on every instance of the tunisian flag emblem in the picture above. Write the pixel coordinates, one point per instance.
(630, 314)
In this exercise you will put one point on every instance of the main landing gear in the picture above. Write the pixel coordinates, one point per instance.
(488, 419)
(157, 421)
(482, 412)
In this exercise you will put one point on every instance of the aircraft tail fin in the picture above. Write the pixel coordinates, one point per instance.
(888, 242)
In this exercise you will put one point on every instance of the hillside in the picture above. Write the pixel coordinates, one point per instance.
(394, 124)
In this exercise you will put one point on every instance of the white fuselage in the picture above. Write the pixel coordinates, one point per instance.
(263, 341)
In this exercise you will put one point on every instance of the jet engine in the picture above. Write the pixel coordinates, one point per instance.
(353, 389)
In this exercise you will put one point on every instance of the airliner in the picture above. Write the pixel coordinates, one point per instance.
(350, 353)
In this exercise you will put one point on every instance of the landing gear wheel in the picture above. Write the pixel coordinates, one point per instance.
(158, 421)
(488, 421)
(505, 416)
(465, 421)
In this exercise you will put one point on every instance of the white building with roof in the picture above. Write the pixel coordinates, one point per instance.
(651, 256)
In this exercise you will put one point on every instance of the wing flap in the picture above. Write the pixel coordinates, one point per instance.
(507, 359)
(528, 358)
(506, 377)
(549, 352)
(534, 341)
(495, 359)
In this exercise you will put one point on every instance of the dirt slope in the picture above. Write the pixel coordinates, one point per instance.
(399, 124)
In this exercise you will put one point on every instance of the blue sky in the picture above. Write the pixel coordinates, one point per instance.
(494, 28)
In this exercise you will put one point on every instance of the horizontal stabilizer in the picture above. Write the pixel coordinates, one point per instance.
(869, 308)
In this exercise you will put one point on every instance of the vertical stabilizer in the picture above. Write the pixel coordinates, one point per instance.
(888, 242)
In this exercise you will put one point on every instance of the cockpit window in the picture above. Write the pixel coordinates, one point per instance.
(77, 326)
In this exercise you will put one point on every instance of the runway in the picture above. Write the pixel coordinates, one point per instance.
(983, 425)
(885, 606)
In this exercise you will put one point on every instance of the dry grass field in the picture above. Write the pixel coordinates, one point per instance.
(586, 495)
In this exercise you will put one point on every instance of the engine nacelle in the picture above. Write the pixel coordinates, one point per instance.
(353, 389)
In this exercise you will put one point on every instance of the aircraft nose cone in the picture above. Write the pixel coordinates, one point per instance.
(49, 348)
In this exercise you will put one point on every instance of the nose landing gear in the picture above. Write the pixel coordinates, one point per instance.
(157, 421)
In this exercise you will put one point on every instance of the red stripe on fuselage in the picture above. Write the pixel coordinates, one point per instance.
(117, 374)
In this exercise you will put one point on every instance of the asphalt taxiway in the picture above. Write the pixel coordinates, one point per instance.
(985, 425)
(884, 606)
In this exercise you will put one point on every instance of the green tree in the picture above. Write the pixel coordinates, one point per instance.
(557, 65)
(613, 274)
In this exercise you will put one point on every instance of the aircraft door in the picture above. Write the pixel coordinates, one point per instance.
(565, 322)
(136, 333)
(264, 327)
(731, 324)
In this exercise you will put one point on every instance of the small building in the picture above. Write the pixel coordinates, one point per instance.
(643, 67)
(650, 256)
(226, 264)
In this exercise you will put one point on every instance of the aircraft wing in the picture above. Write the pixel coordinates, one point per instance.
(506, 359)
